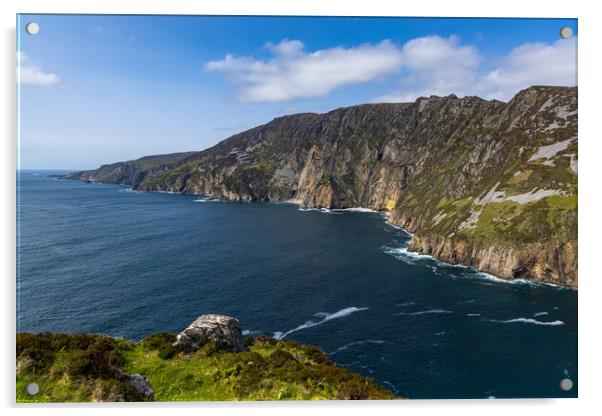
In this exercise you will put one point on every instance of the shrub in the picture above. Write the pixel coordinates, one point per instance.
(98, 360)
(355, 389)
(210, 348)
(163, 343)
(280, 358)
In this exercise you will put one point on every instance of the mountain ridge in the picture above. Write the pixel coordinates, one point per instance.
(481, 183)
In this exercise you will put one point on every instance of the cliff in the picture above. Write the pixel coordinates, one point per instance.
(132, 172)
(208, 361)
(482, 183)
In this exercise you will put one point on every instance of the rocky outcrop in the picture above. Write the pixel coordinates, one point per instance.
(223, 330)
(138, 382)
(496, 177)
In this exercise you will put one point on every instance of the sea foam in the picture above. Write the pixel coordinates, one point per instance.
(322, 210)
(427, 312)
(356, 343)
(325, 318)
(410, 257)
(342, 210)
(525, 321)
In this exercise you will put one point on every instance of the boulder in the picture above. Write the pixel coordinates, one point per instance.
(138, 382)
(223, 330)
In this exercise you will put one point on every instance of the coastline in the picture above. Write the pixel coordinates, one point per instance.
(385, 214)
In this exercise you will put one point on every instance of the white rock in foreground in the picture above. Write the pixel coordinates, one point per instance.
(224, 330)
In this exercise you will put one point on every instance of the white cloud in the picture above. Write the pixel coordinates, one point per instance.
(533, 64)
(434, 52)
(430, 65)
(438, 66)
(435, 66)
(293, 72)
(29, 73)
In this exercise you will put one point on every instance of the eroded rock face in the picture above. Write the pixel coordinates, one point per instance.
(224, 330)
(543, 262)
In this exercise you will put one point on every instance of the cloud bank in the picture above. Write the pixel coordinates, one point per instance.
(29, 73)
(430, 65)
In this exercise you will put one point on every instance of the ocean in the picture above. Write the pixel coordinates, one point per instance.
(105, 259)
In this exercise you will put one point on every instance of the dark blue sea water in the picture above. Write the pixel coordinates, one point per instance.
(101, 258)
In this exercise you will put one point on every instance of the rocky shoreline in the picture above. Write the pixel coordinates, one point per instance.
(529, 263)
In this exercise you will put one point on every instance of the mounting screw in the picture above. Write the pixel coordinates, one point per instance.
(33, 389)
(566, 32)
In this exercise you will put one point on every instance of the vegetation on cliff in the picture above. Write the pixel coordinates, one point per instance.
(83, 367)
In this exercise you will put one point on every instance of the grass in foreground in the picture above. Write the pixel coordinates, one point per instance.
(81, 368)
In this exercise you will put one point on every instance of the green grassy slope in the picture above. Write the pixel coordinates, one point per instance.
(81, 368)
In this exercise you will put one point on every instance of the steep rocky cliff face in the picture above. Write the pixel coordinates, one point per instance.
(482, 183)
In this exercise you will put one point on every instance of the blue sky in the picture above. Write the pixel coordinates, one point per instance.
(99, 89)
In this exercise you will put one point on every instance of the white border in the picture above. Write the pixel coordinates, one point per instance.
(590, 96)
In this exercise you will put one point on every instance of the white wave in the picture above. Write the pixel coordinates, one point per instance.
(247, 332)
(128, 189)
(322, 210)
(473, 314)
(540, 314)
(401, 305)
(493, 278)
(402, 253)
(205, 200)
(410, 257)
(525, 321)
(353, 344)
(427, 312)
(357, 209)
(325, 318)
(487, 276)
(342, 210)
(294, 201)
